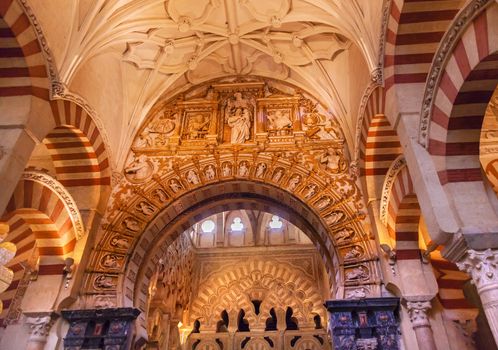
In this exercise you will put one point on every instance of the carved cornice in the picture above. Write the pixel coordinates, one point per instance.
(450, 39)
(482, 266)
(397, 165)
(64, 196)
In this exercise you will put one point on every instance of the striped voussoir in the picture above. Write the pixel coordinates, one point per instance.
(465, 89)
(40, 227)
(414, 30)
(404, 217)
(450, 281)
(22, 65)
(379, 143)
(76, 147)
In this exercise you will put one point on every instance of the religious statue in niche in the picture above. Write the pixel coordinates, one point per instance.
(238, 113)
(334, 217)
(343, 235)
(310, 191)
(332, 160)
(323, 202)
(197, 126)
(226, 169)
(192, 177)
(139, 170)
(277, 174)
(209, 172)
(159, 195)
(260, 170)
(279, 122)
(175, 185)
(294, 182)
(243, 168)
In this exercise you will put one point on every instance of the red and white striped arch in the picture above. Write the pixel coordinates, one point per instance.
(22, 64)
(403, 224)
(378, 142)
(44, 228)
(462, 95)
(414, 30)
(77, 147)
(403, 216)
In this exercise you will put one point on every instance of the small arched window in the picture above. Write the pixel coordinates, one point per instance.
(275, 222)
(237, 224)
(208, 226)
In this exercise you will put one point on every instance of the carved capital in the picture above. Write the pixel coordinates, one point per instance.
(482, 266)
(417, 310)
(39, 324)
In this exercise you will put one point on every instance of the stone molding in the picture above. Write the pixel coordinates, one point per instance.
(482, 266)
(397, 165)
(417, 311)
(445, 49)
(39, 324)
(63, 194)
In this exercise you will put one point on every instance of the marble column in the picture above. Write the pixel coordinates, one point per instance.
(417, 310)
(482, 266)
(39, 324)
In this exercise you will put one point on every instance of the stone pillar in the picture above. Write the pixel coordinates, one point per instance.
(39, 324)
(482, 266)
(417, 310)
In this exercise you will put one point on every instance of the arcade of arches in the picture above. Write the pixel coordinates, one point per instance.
(249, 174)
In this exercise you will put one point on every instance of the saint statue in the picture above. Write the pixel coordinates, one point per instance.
(240, 123)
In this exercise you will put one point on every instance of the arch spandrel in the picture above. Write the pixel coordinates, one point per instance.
(290, 169)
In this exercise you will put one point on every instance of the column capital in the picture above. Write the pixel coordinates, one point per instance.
(39, 324)
(417, 311)
(482, 266)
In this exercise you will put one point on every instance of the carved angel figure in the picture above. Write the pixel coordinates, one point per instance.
(331, 159)
(110, 261)
(278, 175)
(131, 224)
(356, 274)
(121, 243)
(160, 195)
(145, 208)
(104, 282)
(355, 252)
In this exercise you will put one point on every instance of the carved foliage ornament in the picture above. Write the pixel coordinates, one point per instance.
(482, 266)
(417, 310)
(397, 165)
